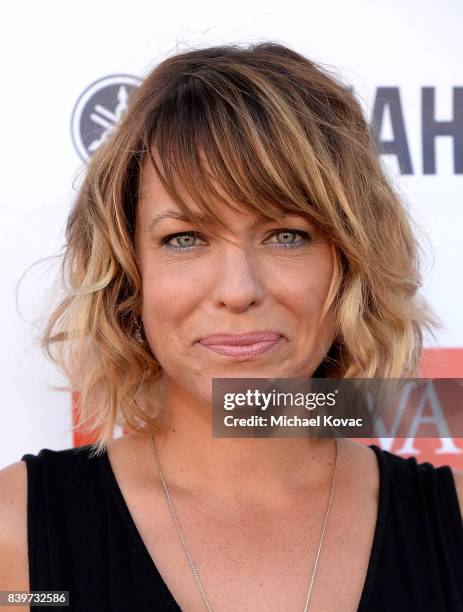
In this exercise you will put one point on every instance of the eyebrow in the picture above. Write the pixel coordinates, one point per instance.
(172, 214)
(180, 216)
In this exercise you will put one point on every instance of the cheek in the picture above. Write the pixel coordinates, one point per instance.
(169, 294)
(305, 287)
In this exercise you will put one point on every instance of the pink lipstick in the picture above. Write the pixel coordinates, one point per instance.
(241, 345)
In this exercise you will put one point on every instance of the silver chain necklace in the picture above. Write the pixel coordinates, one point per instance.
(187, 552)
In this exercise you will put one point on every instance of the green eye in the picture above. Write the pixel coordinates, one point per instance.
(186, 241)
(288, 238)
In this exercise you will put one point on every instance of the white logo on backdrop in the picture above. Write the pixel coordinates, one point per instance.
(98, 109)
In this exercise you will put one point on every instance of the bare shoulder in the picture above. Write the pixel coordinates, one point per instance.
(359, 455)
(360, 468)
(458, 477)
(14, 566)
(130, 456)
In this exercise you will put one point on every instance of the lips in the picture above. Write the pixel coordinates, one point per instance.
(241, 346)
(245, 339)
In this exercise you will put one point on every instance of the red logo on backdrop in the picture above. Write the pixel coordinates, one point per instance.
(436, 363)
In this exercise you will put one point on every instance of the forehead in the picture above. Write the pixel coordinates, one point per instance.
(157, 205)
(153, 197)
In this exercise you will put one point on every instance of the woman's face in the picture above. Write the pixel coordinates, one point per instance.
(255, 275)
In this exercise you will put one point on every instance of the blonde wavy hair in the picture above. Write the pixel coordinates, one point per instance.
(275, 132)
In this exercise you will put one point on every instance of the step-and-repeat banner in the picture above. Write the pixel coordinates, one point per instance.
(68, 72)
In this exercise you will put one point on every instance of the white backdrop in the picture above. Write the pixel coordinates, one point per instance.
(52, 51)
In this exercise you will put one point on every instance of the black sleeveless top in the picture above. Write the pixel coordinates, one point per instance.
(82, 538)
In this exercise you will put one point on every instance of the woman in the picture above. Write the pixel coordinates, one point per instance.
(239, 203)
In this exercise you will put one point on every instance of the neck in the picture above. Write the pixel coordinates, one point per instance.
(263, 470)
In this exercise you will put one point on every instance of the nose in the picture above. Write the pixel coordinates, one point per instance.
(237, 283)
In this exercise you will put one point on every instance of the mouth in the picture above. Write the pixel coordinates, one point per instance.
(239, 346)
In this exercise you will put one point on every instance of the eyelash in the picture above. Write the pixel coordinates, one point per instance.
(305, 235)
